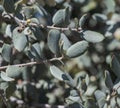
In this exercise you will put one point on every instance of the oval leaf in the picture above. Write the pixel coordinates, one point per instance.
(108, 80)
(92, 36)
(14, 71)
(56, 72)
(6, 52)
(115, 65)
(61, 17)
(53, 41)
(66, 42)
(36, 51)
(19, 39)
(82, 20)
(77, 49)
(5, 77)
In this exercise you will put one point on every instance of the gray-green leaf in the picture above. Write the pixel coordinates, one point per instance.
(66, 42)
(56, 72)
(63, 76)
(61, 17)
(14, 71)
(5, 77)
(108, 80)
(82, 20)
(100, 97)
(6, 52)
(77, 49)
(36, 51)
(115, 65)
(53, 41)
(99, 17)
(110, 5)
(19, 39)
(92, 36)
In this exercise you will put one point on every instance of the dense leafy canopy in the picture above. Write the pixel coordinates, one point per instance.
(59, 53)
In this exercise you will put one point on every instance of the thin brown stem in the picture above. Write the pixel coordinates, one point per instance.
(62, 29)
(28, 22)
(31, 63)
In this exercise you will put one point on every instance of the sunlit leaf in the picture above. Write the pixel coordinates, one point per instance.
(53, 41)
(13, 71)
(63, 76)
(66, 42)
(56, 72)
(61, 17)
(19, 39)
(82, 20)
(77, 49)
(92, 36)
